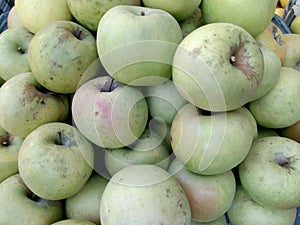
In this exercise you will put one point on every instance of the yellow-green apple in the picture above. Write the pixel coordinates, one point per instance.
(25, 105)
(14, 44)
(178, 8)
(55, 160)
(270, 174)
(128, 39)
(292, 132)
(205, 142)
(191, 23)
(295, 25)
(245, 211)
(73, 222)
(13, 19)
(60, 53)
(109, 114)
(218, 67)
(144, 194)
(89, 195)
(222, 220)
(89, 13)
(209, 196)
(240, 13)
(280, 106)
(19, 205)
(35, 14)
(292, 53)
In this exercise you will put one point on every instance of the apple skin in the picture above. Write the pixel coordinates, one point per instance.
(25, 105)
(219, 221)
(73, 222)
(240, 13)
(178, 8)
(13, 19)
(209, 196)
(144, 194)
(35, 14)
(127, 41)
(192, 22)
(292, 132)
(55, 161)
(280, 106)
(270, 172)
(89, 13)
(292, 53)
(14, 44)
(206, 144)
(60, 53)
(114, 116)
(18, 205)
(245, 211)
(218, 67)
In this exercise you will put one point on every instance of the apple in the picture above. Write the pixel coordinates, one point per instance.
(206, 143)
(150, 148)
(160, 127)
(178, 8)
(109, 114)
(13, 19)
(292, 132)
(292, 54)
(240, 13)
(294, 27)
(218, 67)
(245, 211)
(192, 22)
(89, 13)
(73, 222)
(128, 39)
(209, 196)
(19, 205)
(60, 53)
(25, 105)
(269, 173)
(144, 194)
(35, 14)
(252, 120)
(266, 132)
(55, 160)
(280, 107)
(90, 195)
(219, 221)
(14, 44)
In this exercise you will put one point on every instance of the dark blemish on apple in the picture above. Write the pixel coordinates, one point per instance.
(195, 52)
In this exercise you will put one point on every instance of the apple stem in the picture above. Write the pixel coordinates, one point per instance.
(232, 59)
(78, 33)
(59, 138)
(21, 50)
(143, 13)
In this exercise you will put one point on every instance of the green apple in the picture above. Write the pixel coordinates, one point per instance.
(178, 8)
(269, 173)
(144, 194)
(14, 44)
(280, 106)
(89, 13)
(292, 132)
(90, 195)
(109, 114)
(245, 211)
(266, 132)
(191, 23)
(292, 53)
(55, 160)
(13, 19)
(25, 105)
(209, 196)
(254, 20)
(218, 67)
(73, 222)
(18, 205)
(60, 53)
(128, 39)
(150, 148)
(252, 120)
(207, 143)
(35, 14)
(219, 221)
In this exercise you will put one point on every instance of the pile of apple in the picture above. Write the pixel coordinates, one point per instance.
(148, 112)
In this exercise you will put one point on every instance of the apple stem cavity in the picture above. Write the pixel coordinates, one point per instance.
(284, 161)
(109, 85)
(21, 50)
(78, 33)
(59, 141)
(7, 140)
(143, 13)
(232, 59)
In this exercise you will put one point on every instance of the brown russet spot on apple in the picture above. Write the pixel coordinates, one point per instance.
(285, 162)
(32, 92)
(69, 33)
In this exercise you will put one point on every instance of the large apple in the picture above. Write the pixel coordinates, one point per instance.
(55, 161)
(109, 114)
(292, 53)
(19, 205)
(14, 44)
(218, 67)
(207, 144)
(144, 194)
(209, 196)
(25, 105)
(60, 53)
(240, 13)
(35, 14)
(136, 44)
(270, 174)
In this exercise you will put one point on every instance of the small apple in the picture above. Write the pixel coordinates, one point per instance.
(14, 44)
(144, 194)
(60, 53)
(19, 205)
(55, 161)
(219, 221)
(292, 53)
(269, 173)
(13, 19)
(74, 222)
(128, 39)
(218, 67)
(292, 132)
(192, 22)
